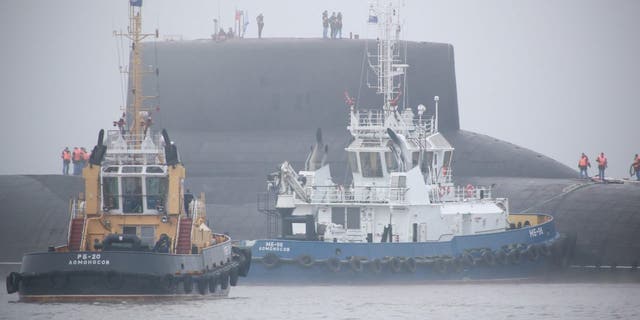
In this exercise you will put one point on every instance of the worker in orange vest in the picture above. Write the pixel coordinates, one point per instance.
(85, 157)
(66, 159)
(602, 164)
(636, 166)
(583, 163)
(76, 158)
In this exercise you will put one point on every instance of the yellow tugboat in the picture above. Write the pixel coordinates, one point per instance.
(134, 232)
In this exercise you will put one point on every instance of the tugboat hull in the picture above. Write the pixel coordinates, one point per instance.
(514, 254)
(54, 276)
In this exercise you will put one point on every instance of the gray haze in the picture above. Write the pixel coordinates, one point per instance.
(559, 77)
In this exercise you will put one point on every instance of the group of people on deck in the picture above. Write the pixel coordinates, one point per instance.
(332, 24)
(79, 157)
(603, 163)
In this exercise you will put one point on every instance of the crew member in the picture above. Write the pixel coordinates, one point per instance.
(188, 197)
(636, 166)
(85, 157)
(76, 158)
(260, 21)
(325, 24)
(602, 164)
(66, 159)
(583, 163)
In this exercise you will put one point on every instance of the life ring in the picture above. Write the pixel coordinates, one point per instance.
(395, 264)
(442, 191)
(532, 252)
(410, 265)
(13, 282)
(376, 265)
(488, 257)
(306, 261)
(470, 191)
(356, 264)
(203, 284)
(233, 276)
(213, 283)
(187, 284)
(333, 264)
(270, 260)
(224, 280)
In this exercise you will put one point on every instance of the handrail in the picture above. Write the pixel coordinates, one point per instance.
(372, 194)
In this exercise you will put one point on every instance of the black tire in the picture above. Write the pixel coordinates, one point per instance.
(488, 258)
(213, 283)
(333, 264)
(168, 283)
(233, 276)
(532, 252)
(514, 256)
(202, 285)
(410, 265)
(467, 259)
(13, 282)
(395, 264)
(224, 281)
(375, 265)
(306, 261)
(270, 260)
(356, 264)
(187, 284)
(440, 266)
(544, 250)
(501, 257)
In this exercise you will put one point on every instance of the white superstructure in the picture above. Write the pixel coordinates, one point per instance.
(402, 188)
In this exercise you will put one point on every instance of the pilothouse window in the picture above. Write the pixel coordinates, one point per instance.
(132, 194)
(370, 163)
(156, 191)
(391, 161)
(110, 193)
(353, 162)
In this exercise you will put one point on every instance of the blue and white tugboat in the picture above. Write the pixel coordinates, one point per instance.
(402, 218)
(134, 233)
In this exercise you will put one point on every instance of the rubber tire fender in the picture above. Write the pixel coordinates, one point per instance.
(224, 280)
(356, 264)
(270, 260)
(333, 264)
(306, 261)
(488, 258)
(213, 283)
(202, 284)
(233, 276)
(395, 264)
(375, 265)
(13, 282)
(187, 284)
(410, 265)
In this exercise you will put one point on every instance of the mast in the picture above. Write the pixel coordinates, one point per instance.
(385, 15)
(134, 109)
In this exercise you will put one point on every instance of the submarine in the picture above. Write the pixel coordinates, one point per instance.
(259, 101)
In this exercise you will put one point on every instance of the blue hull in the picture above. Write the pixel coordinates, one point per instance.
(512, 254)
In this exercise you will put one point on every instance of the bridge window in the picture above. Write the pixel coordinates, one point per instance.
(353, 162)
(110, 193)
(132, 194)
(337, 215)
(391, 161)
(370, 163)
(156, 191)
(353, 218)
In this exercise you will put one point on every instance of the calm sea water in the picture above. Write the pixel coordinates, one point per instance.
(429, 301)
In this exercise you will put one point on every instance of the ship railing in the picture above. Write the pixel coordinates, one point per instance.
(470, 193)
(371, 123)
(339, 194)
(121, 143)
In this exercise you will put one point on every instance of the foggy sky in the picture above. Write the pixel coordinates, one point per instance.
(559, 77)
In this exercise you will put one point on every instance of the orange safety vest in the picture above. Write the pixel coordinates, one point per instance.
(583, 162)
(66, 155)
(77, 155)
(602, 161)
